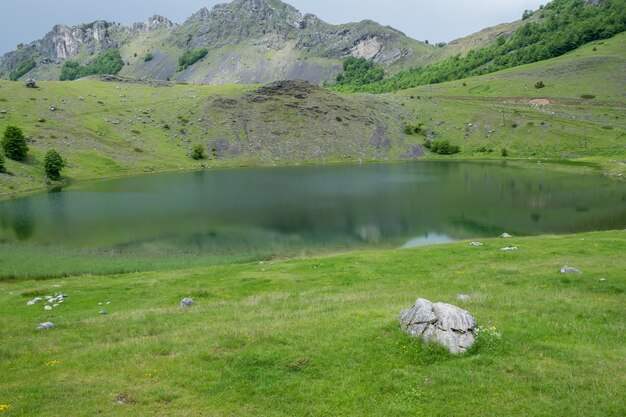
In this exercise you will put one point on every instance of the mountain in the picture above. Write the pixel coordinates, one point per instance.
(126, 126)
(247, 41)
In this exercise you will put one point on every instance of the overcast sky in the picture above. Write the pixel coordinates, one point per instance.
(438, 21)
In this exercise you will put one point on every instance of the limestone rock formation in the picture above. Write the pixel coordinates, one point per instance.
(442, 323)
(248, 41)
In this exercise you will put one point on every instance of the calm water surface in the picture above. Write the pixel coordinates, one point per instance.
(306, 208)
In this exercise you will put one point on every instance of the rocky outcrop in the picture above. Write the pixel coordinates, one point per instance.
(252, 26)
(442, 323)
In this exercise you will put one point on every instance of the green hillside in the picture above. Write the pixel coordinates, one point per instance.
(125, 128)
(559, 27)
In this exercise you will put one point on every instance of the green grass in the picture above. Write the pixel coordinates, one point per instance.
(319, 337)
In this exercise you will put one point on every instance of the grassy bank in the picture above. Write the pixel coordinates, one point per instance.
(320, 337)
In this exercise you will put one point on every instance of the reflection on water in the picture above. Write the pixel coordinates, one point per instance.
(286, 209)
(427, 239)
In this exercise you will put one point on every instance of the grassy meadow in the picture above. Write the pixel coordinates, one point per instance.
(319, 337)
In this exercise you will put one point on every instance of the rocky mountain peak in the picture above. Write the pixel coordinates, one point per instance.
(158, 22)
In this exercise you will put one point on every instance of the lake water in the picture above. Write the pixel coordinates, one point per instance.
(289, 209)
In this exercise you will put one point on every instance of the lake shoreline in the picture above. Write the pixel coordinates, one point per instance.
(577, 166)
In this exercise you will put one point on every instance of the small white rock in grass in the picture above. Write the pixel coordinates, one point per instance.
(47, 308)
(108, 302)
(602, 280)
(187, 302)
(570, 270)
(509, 248)
(37, 299)
(100, 304)
(103, 312)
(463, 297)
(476, 244)
(45, 326)
(505, 236)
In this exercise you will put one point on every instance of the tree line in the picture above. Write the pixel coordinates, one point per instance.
(563, 26)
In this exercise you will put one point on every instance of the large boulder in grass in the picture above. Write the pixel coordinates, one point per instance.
(442, 323)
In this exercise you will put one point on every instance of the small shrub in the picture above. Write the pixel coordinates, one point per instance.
(488, 339)
(587, 96)
(138, 150)
(183, 120)
(504, 152)
(539, 85)
(23, 69)
(198, 152)
(135, 132)
(413, 129)
(2, 165)
(166, 126)
(191, 57)
(443, 147)
(149, 57)
(53, 164)
(339, 119)
(14, 143)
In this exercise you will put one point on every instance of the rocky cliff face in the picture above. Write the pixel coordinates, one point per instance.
(255, 29)
(65, 42)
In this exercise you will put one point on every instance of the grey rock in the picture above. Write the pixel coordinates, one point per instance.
(103, 312)
(47, 308)
(570, 270)
(476, 244)
(187, 302)
(45, 326)
(509, 248)
(445, 324)
(602, 280)
(463, 297)
(254, 25)
(31, 83)
(505, 236)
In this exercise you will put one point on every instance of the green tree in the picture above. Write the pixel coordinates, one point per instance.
(359, 71)
(24, 68)
(2, 166)
(53, 164)
(14, 143)
(109, 62)
(198, 152)
(191, 57)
